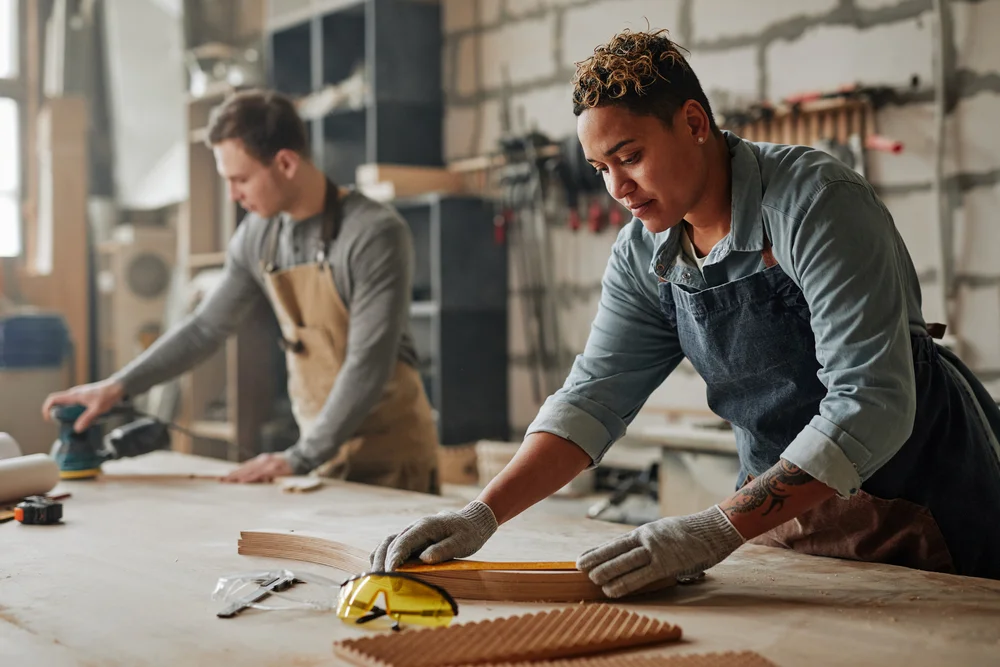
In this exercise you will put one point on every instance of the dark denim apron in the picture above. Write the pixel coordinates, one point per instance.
(934, 506)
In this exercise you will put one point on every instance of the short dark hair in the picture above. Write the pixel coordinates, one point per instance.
(265, 121)
(644, 72)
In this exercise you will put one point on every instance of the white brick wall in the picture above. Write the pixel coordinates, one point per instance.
(549, 110)
(525, 47)
(978, 246)
(823, 57)
(716, 19)
(522, 405)
(729, 78)
(933, 306)
(979, 324)
(588, 27)
(517, 340)
(826, 57)
(457, 15)
(489, 11)
(913, 125)
(967, 148)
(490, 128)
(465, 66)
(518, 8)
(975, 123)
(975, 34)
(914, 215)
(459, 128)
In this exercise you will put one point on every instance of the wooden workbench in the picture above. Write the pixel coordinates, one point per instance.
(127, 581)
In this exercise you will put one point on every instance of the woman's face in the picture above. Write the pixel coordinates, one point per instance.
(657, 172)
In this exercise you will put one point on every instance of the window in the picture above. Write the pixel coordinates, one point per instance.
(10, 133)
(8, 39)
(10, 186)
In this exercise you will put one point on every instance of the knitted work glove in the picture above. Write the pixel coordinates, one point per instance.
(437, 538)
(661, 550)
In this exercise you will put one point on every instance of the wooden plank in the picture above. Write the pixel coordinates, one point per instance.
(494, 580)
(74, 589)
(206, 260)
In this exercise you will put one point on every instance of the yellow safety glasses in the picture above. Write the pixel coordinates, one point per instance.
(407, 600)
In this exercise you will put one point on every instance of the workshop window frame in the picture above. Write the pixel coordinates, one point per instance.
(13, 89)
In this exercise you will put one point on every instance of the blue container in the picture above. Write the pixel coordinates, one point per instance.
(33, 341)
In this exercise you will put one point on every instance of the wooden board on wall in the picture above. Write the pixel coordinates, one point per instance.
(55, 276)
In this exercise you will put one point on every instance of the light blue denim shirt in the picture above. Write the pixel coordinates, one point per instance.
(836, 240)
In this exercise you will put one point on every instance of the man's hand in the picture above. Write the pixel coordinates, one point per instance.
(97, 398)
(261, 468)
(437, 538)
(660, 551)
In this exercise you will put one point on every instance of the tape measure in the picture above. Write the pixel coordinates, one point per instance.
(38, 510)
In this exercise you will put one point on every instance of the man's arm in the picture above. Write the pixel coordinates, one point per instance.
(382, 272)
(194, 340)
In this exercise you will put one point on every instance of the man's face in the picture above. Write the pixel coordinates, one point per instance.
(656, 171)
(260, 188)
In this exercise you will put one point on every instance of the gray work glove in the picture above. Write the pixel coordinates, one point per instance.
(437, 538)
(667, 549)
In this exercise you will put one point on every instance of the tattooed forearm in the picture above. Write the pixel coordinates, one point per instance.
(770, 489)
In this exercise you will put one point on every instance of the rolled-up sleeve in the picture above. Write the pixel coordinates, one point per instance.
(629, 352)
(843, 254)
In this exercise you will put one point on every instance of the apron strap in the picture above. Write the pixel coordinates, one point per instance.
(331, 220)
(272, 233)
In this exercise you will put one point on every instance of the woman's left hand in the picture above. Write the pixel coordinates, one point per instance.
(660, 551)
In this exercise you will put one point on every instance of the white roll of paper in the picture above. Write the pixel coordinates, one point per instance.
(8, 446)
(32, 475)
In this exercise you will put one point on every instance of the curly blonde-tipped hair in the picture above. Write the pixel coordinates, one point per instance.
(645, 72)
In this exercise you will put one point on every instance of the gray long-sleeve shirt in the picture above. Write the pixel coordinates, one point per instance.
(372, 261)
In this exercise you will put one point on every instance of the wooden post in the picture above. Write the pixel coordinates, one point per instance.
(56, 273)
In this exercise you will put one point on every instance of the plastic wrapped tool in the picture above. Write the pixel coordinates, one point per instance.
(276, 590)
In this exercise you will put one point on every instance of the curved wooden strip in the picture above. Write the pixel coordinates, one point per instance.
(512, 586)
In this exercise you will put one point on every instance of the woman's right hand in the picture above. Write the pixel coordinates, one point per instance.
(97, 397)
(437, 538)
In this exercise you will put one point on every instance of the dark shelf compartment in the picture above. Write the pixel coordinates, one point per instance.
(398, 45)
(290, 62)
(458, 263)
(344, 143)
(343, 43)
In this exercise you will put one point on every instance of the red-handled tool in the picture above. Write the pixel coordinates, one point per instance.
(878, 142)
(500, 223)
(616, 217)
(595, 216)
(574, 220)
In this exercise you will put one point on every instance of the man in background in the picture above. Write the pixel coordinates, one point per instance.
(336, 267)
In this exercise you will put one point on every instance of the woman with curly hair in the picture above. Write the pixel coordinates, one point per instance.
(778, 272)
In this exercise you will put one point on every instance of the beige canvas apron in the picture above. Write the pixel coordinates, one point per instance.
(396, 444)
